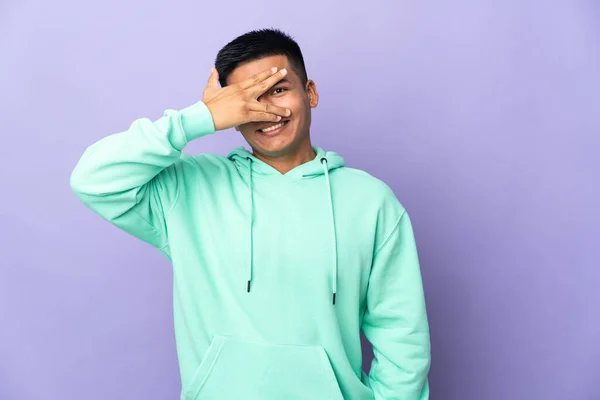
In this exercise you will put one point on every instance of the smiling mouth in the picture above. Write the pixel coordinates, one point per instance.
(273, 128)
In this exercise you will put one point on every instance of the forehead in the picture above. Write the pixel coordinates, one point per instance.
(246, 70)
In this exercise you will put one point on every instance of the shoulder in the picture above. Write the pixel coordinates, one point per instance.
(205, 165)
(205, 161)
(367, 186)
(379, 202)
(376, 199)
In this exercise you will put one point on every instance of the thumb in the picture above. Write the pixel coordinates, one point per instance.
(213, 79)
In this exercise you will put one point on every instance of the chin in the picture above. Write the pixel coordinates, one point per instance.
(273, 146)
(273, 150)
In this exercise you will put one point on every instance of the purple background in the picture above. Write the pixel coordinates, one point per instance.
(483, 117)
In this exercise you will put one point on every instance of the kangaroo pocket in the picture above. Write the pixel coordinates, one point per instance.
(242, 369)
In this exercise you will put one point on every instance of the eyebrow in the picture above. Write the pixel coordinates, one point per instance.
(283, 80)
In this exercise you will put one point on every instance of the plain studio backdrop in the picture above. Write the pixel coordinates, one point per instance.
(483, 116)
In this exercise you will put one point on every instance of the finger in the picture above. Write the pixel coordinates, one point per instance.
(257, 116)
(213, 79)
(258, 78)
(269, 108)
(268, 83)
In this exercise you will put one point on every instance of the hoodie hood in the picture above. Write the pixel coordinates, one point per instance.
(312, 168)
(321, 165)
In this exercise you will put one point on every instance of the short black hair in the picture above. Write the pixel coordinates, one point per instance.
(258, 44)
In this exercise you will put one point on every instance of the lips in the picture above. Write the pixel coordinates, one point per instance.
(268, 129)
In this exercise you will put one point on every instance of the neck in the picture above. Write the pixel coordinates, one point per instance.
(287, 162)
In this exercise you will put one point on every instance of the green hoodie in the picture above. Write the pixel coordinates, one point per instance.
(274, 274)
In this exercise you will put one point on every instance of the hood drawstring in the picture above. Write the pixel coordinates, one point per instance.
(333, 232)
(251, 222)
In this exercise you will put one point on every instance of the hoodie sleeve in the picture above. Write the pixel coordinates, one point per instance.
(132, 179)
(395, 321)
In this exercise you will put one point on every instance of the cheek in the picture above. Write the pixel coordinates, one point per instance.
(296, 104)
(293, 100)
(247, 128)
(284, 102)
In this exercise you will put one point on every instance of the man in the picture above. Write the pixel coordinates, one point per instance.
(282, 255)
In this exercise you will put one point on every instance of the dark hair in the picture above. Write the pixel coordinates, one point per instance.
(259, 44)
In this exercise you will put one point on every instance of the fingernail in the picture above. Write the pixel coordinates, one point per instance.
(274, 69)
(283, 71)
(278, 118)
(288, 112)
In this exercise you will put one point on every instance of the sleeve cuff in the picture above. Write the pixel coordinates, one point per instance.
(196, 121)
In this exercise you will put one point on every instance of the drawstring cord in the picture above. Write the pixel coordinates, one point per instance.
(333, 232)
(251, 255)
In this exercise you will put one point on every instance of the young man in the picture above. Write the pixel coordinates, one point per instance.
(280, 256)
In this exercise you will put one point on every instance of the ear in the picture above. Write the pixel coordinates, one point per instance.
(313, 95)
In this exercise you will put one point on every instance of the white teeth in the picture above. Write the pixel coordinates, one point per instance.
(272, 128)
